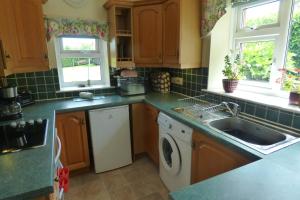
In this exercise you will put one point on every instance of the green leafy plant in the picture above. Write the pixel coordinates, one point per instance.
(233, 70)
(291, 80)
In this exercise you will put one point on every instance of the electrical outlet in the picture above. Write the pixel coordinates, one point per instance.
(177, 80)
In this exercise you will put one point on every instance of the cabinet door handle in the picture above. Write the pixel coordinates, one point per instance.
(2, 54)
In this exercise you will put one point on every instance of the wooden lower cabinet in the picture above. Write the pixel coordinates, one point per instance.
(151, 133)
(138, 127)
(210, 158)
(72, 131)
(145, 131)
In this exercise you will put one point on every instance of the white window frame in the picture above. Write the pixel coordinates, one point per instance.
(278, 32)
(100, 52)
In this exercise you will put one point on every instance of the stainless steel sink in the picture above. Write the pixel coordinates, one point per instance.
(260, 137)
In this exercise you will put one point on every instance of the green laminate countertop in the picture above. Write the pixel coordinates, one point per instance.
(28, 174)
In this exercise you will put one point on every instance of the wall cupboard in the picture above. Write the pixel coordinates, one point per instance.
(22, 37)
(166, 33)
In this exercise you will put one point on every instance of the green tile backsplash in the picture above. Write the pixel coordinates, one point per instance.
(44, 85)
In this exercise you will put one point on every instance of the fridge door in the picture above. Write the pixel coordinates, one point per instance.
(110, 132)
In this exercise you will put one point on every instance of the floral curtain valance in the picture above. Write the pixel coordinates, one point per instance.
(212, 11)
(241, 2)
(75, 27)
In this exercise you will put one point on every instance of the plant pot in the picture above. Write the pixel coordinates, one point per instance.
(230, 85)
(294, 98)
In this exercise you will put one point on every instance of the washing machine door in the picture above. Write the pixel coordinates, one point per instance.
(169, 154)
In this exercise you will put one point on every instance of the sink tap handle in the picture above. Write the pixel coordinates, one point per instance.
(236, 108)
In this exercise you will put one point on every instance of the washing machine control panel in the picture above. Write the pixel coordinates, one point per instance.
(175, 128)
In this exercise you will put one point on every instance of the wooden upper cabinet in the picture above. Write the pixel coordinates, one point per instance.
(23, 36)
(148, 35)
(72, 131)
(171, 28)
(209, 158)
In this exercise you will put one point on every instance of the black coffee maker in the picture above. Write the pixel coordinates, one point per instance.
(10, 109)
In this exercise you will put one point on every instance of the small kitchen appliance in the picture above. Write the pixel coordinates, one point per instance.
(10, 109)
(129, 86)
(22, 135)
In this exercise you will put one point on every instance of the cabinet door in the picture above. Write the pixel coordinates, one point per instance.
(8, 41)
(171, 34)
(23, 35)
(151, 133)
(210, 158)
(148, 34)
(138, 127)
(30, 34)
(72, 131)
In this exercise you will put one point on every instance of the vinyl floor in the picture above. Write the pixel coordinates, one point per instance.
(139, 181)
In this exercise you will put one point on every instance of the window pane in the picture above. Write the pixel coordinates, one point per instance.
(261, 15)
(81, 69)
(258, 57)
(293, 56)
(79, 44)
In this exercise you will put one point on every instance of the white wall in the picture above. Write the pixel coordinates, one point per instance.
(220, 46)
(93, 10)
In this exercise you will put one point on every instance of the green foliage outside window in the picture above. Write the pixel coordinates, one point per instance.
(258, 56)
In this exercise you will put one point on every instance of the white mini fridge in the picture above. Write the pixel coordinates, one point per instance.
(111, 142)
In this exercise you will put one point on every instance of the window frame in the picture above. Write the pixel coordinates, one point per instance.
(100, 53)
(279, 32)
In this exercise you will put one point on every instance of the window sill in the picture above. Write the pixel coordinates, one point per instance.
(75, 89)
(276, 102)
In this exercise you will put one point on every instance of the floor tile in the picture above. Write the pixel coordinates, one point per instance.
(139, 181)
(154, 196)
(123, 193)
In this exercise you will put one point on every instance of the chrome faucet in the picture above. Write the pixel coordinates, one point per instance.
(235, 110)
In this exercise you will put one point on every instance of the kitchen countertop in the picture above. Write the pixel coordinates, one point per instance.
(29, 173)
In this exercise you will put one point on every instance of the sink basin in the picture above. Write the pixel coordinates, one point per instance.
(262, 138)
(248, 131)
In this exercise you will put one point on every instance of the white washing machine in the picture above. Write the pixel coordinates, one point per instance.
(175, 152)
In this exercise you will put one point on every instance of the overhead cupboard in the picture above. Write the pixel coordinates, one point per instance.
(163, 33)
(23, 45)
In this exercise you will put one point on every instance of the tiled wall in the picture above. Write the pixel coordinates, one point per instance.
(44, 85)
(194, 80)
(270, 113)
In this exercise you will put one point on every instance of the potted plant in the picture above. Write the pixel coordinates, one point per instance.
(291, 83)
(232, 72)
